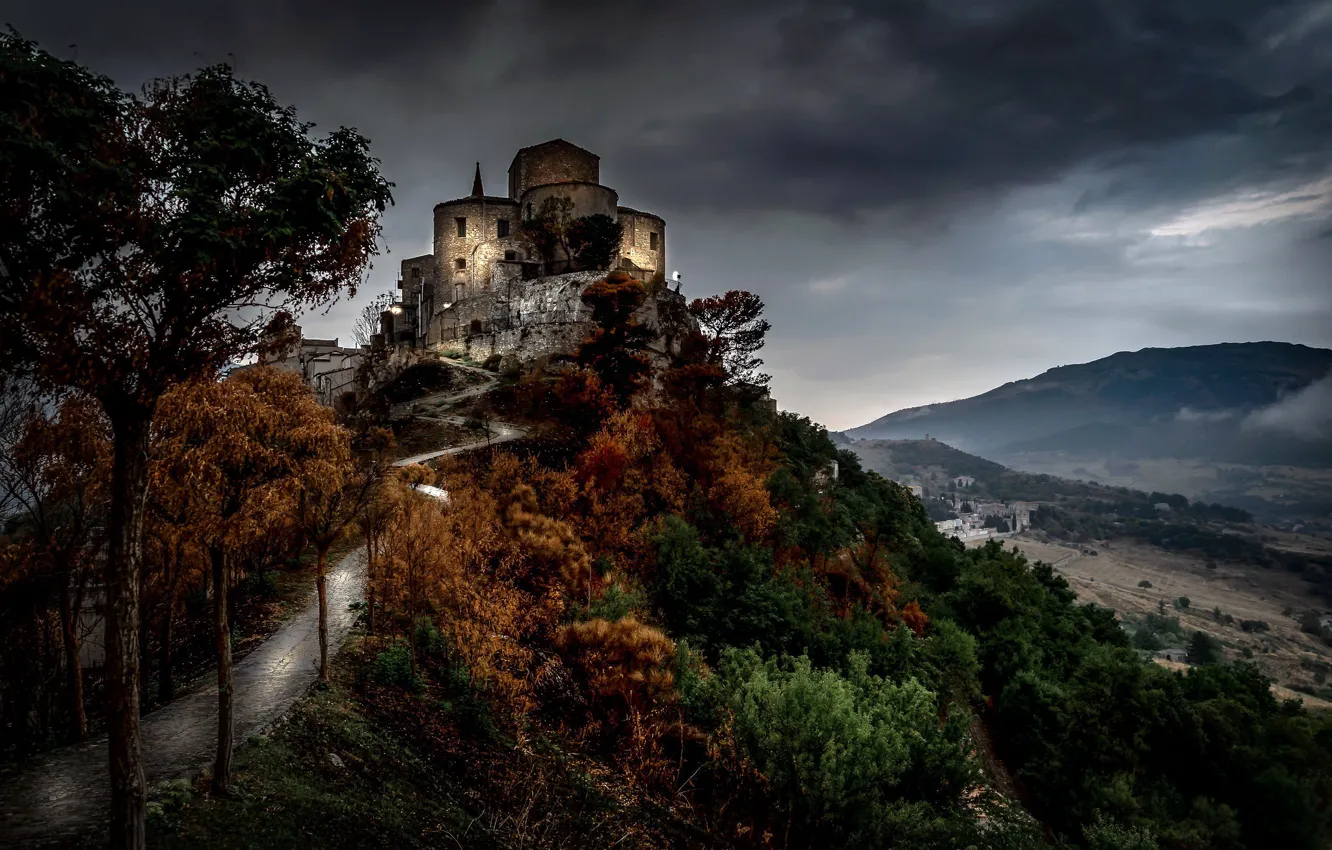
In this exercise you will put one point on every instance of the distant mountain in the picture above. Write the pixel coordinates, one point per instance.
(1262, 403)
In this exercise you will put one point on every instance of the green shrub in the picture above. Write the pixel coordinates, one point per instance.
(393, 667)
(616, 602)
(1105, 834)
(1204, 649)
(849, 751)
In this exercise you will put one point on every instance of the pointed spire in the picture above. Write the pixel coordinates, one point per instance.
(476, 183)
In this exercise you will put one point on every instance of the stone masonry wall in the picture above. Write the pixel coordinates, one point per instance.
(555, 161)
(546, 316)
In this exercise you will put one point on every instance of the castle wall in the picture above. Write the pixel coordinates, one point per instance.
(636, 241)
(546, 316)
(556, 161)
(480, 244)
(588, 199)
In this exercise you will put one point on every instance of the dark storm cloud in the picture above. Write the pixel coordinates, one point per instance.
(933, 197)
(933, 103)
(826, 107)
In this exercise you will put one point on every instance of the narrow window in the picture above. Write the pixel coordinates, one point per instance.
(529, 209)
(416, 273)
(652, 241)
(460, 264)
(510, 256)
(462, 226)
(502, 228)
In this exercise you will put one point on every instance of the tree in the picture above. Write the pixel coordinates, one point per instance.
(367, 321)
(594, 241)
(548, 231)
(54, 473)
(615, 350)
(333, 492)
(148, 240)
(222, 444)
(735, 329)
(1204, 649)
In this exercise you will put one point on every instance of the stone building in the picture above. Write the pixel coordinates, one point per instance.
(330, 370)
(479, 248)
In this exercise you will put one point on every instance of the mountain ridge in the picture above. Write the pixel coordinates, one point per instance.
(1223, 401)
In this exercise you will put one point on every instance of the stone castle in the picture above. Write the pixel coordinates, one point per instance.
(483, 291)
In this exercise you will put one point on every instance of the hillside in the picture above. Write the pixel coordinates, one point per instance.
(1253, 403)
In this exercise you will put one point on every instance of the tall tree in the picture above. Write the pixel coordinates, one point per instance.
(223, 443)
(148, 240)
(333, 493)
(56, 474)
(735, 329)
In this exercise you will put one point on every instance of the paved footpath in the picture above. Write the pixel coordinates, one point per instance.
(60, 798)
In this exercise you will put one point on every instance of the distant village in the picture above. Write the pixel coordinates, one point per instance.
(975, 519)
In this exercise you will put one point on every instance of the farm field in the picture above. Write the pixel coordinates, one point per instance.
(1112, 578)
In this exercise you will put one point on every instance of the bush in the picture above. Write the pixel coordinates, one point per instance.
(1182, 603)
(393, 667)
(1204, 649)
(616, 602)
(1144, 584)
(851, 752)
(1106, 834)
(260, 584)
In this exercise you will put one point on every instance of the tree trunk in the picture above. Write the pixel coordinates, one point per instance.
(370, 582)
(321, 583)
(166, 682)
(69, 631)
(222, 639)
(129, 480)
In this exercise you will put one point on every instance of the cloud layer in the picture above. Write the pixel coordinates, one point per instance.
(1306, 414)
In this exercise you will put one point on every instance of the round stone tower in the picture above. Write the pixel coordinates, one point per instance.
(643, 240)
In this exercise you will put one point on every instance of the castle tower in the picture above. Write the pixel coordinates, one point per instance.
(472, 233)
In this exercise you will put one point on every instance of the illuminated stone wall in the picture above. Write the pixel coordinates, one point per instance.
(556, 161)
(636, 239)
(477, 249)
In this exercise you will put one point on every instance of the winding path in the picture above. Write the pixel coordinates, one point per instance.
(502, 431)
(60, 799)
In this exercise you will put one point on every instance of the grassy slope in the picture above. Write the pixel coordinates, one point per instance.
(405, 784)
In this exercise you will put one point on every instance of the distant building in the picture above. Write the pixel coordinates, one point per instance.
(330, 370)
(1173, 654)
(916, 490)
(964, 480)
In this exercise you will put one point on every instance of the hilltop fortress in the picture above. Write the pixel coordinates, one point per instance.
(485, 291)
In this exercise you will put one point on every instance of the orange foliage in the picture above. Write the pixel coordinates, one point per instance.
(740, 488)
(624, 662)
(915, 618)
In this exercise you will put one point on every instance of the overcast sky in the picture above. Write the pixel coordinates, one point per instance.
(933, 197)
